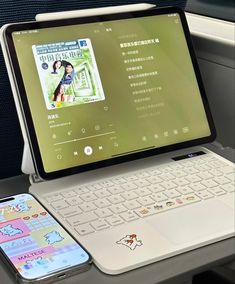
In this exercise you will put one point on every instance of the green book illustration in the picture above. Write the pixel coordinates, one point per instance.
(68, 73)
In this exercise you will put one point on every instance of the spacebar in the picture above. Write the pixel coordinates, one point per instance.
(81, 219)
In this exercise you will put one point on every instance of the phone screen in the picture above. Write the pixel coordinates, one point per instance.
(34, 242)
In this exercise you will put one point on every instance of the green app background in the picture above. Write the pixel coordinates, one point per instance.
(122, 127)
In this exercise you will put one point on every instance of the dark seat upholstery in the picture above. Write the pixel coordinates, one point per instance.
(11, 142)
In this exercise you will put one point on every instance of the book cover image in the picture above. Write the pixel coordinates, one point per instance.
(68, 73)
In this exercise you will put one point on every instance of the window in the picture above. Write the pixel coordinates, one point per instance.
(221, 9)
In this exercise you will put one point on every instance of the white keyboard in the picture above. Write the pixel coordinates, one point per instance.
(109, 202)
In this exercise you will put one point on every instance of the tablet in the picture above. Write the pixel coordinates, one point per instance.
(101, 90)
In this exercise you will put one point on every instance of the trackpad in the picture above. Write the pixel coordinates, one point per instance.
(187, 224)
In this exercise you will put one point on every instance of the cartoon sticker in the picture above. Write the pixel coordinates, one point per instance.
(131, 241)
(21, 207)
(53, 237)
(13, 229)
(35, 262)
(8, 230)
(170, 203)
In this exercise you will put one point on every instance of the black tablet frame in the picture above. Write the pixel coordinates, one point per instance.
(25, 108)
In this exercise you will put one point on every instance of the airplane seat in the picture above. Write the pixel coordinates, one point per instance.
(212, 27)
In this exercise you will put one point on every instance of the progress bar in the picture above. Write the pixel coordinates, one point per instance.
(84, 138)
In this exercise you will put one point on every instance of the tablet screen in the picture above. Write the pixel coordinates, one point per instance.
(102, 90)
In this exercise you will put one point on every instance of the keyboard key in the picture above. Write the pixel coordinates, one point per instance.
(143, 192)
(181, 181)
(221, 180)
(206, 158)
(204, 194)
(129, 216)
(193, 178)
(99, 225)
(141, 183)
(205, 175)
(231, 177)
(168, 184)
(200, 161)
(102, 203)
(119, 180)
(88, 196)
(155, 171)
(103, 213)
(114, 220)
(102, 193)
(68, 194)
(53, 197)
(188, 164)
(116, 189)
(94, 186)
(81, 190)
(228, 187)
(160, 196)
(217, 190)
(70, 211)
(170, 204)
(191, 170)
(165, 169)
(204, 167)
(76, 220)
(106, 183)
(176, 166)
(190, 198)
(215, 163)
(209, 183)
(215, 172)
(84, 229)
(154, 179)
(145, 200)
(197, 186)
(133, 204)
(155, 188)
(60, 204)
(144, 212)
(172, 193)
(185, 190)
(117, 209)
(227, 169)
(167, 176)
(131, 178)
(74, 200)
(179, 173)
(129, 186)
(86, 207)
(115, 199)
(142, 175)
(129, 195)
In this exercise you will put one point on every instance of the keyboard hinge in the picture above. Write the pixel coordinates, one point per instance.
(34, 178)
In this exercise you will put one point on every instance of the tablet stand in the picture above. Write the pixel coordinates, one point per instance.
(27, 165)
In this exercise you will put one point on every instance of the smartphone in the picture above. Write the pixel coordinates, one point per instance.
(35, 245)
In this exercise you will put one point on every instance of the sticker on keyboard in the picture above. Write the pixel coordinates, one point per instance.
(130, 241)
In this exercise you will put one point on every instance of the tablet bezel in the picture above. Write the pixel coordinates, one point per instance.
(25, 109)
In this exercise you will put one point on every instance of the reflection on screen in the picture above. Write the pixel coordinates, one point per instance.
(102, 90)
(33, 241)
